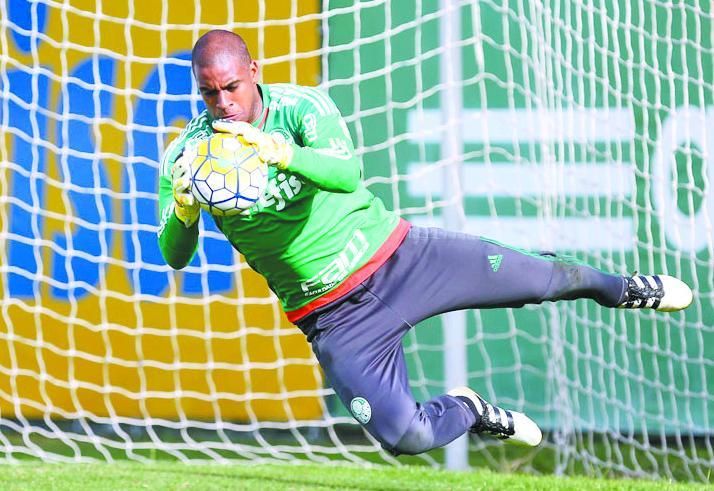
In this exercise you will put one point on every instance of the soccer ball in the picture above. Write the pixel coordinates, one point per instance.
(227, 176)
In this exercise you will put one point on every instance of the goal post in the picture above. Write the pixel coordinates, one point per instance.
(583, 128)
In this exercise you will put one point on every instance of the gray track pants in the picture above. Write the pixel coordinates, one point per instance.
(358, 338)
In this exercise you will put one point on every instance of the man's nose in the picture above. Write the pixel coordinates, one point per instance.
(223, 101)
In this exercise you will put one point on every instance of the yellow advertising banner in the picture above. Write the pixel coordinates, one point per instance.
(92, 322)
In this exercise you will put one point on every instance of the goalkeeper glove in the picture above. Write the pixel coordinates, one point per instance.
(187, 208)
(270, 151)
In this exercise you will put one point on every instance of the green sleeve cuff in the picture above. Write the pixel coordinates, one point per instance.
(178, 244)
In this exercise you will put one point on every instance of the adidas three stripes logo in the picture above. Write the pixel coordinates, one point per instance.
(495, 261)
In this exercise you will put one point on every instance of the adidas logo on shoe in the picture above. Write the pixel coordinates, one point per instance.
(660, 292)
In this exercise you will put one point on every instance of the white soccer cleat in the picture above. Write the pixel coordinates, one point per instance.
(659, 292)
(498, 422)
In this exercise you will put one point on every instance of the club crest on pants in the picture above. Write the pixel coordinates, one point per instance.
(361, 409)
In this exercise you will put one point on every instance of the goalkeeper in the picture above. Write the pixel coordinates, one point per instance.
(353, 276)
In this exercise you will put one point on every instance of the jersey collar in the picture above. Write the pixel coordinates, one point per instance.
(265, 94)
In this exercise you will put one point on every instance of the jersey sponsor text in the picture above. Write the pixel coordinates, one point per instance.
(339, 268)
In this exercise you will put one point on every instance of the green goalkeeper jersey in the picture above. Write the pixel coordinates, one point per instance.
(315, 226)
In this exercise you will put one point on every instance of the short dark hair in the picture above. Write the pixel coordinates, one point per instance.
(218, 42)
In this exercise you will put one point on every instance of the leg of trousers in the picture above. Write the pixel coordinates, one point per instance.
(436, 271)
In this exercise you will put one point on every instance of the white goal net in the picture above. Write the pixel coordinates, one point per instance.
(585, 128)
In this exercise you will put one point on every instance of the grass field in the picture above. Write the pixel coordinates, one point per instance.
(494, 467)
(179, 476)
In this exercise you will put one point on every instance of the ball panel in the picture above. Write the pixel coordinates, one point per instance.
(215, 145)
(228, 176)
(250, 193)
(258, 179)
(243, 178)
(202, 148)
(220, 196)
(203, 190)
(216, 180)
(244, 203)
(200, 167)
(251, 164)
(232, 180)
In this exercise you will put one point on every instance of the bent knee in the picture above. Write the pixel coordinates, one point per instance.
(418, 437)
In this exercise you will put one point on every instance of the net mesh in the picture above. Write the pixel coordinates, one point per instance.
(585, 128)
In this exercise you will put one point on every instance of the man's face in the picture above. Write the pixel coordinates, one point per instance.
(228, 87)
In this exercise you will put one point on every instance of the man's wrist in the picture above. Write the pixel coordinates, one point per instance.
(187, 218)
(287, 156)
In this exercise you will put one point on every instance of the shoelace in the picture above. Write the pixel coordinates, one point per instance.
(636, 292)
(490, 422)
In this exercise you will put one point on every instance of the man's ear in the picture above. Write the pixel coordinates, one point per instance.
(254, 71)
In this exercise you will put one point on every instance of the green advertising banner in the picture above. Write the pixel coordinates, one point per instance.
(587, 130)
